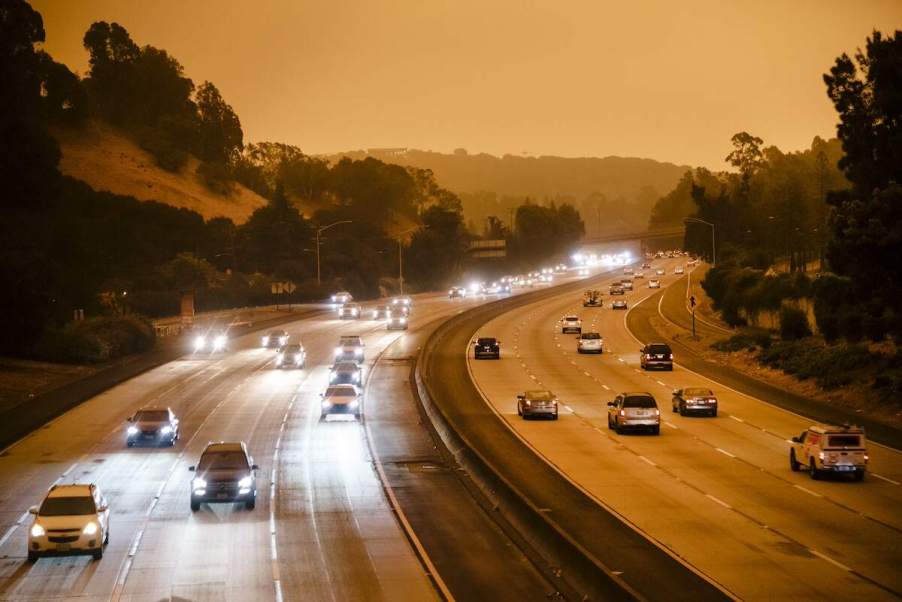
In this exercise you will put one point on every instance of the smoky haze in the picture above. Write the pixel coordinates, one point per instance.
(653, 79)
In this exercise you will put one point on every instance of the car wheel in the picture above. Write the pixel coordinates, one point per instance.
(130, 444)
(813, 472)
(682, 410)
(673, 407)
(794, 465)
(555, 416)
(519, 411)
(250, 504)
(859, 475)
(610, 425)
(714, 413)
(195, 506)
(670, 368)
(33, 557)
(656, 430)
(98, 553)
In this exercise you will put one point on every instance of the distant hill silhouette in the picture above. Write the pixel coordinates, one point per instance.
(491, 185)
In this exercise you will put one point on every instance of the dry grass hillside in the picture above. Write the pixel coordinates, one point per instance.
(108, 160)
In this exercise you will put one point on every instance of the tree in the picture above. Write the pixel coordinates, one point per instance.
(436, 250)
(746, 155)
(220, 135)
(274, 233)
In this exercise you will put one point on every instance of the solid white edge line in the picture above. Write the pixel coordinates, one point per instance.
(718, 501)
(725, 452)
(830, 560)
(808, 491)
(882, 478)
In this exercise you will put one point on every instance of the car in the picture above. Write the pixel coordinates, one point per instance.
(72, 519)
(342, 298)
(592, 298)
(626, 284)
(659, 272)
(637, 411)
(627, 271)
(486, 348)
(695, 400)
(403, 300)
(571, 324)
(152, 425)
(616, 289)
(275, 339)
(349, 311)
(583, 272)
(341, 399)
(654, 283)
(225, 474)
(619, 304)
(646, 266)
(537, 403)
(656, 355)
(825, 449)
(350, 349)
(560, 268)
(380, 312)
(679, 270)
(457, 292)
(346, 373)
(212, 341)
(291, 356)
(589, 342)
(397, 320)
(692, 261)
(638, 275)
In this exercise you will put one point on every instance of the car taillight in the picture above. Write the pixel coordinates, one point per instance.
(623, 412)
(821, 455)
(670, 356)
(648, 356)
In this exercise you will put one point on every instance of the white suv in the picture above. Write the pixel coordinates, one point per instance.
(72, 519)
(589, 342)
(571, 324)
(830, 449)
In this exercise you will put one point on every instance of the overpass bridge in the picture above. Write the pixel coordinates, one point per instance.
(676, 232)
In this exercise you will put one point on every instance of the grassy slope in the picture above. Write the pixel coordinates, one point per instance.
(108, 160)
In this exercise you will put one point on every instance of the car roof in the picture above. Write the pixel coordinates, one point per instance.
(72, 490)
(347, 365)
(539, 394)
(225, 446)
(829, 429)
(341, 387)
(571, 317)
(637, 394)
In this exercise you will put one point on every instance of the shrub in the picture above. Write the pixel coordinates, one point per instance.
(828, 325)
(793, 323)
(167, 155)
(749, 339)
(216, 177)
(97, 339)
(71, 346)
(850, 325)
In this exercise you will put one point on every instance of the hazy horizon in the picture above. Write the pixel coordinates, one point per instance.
(595, 80)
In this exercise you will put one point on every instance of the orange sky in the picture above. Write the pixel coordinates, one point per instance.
(664, 79)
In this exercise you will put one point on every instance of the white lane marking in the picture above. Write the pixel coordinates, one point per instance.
(6, 535)
(718, 501)
(586, 373)
(808, 491)
(724, 452)
(532, 376)
(646, 460)
(606, 388)
(882, 478)
(671, 425)
(134, 549)
(619, 359)
(70, 469)
(660, 383)
(830, 560)
(738, 419)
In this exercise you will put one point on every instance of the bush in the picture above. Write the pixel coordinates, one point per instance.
(828, 325)
(850, 325)
(97, 340)
(167, 155)
(749, 339)
(216, 177)
(793, 323)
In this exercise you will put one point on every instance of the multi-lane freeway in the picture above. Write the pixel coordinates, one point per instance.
(713, 495)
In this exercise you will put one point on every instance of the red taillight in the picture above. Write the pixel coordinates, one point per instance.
(622, 413)
(670, 356)
(648, 356)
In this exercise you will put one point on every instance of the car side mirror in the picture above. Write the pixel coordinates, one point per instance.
(676, 391)
(611, 404)
(103, 508)
(796, 440)
(254, 467)
(521, 397)
(33, 510)
(192, 468)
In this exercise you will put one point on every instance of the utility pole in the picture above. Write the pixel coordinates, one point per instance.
(713, 248)
(318, 232)
(401, 257)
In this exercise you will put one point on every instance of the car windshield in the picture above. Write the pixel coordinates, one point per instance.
(844, 441)
(68, 506)
(658, 349)
(341, 392)
(572, 319)
(222, 460)
(639, 401)
(152, 416)
(698, 392)
(539, 395)
(292, 348)
(350, 340)
(346, 367)
(591, 335)
(485, 341)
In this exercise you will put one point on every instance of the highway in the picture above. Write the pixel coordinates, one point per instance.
(716, 493)
(322, 528)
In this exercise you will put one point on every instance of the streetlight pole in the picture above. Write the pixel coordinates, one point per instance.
(318, 232)
(713, 248)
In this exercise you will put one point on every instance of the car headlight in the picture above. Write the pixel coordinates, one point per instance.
(353, 404)
(357, 376)
(283, 340)
(326, 404)
(338, 351)
(331, 376)
(266, 340)
(244, 483)
(198, 483)
(219, 342)
(403, 320)
(166, 430)
(132, 430)
(90, 528)
(37, 530)
(279, 358)
(199, 343)
(358, 352)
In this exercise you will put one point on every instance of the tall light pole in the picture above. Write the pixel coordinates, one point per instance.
(318, 232)
(713, 248)
(400, 258)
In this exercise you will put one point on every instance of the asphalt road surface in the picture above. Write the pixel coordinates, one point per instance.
(715, 492)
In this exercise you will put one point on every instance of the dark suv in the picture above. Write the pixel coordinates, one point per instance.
(487, 347)
(656, 355)
(226, 473)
